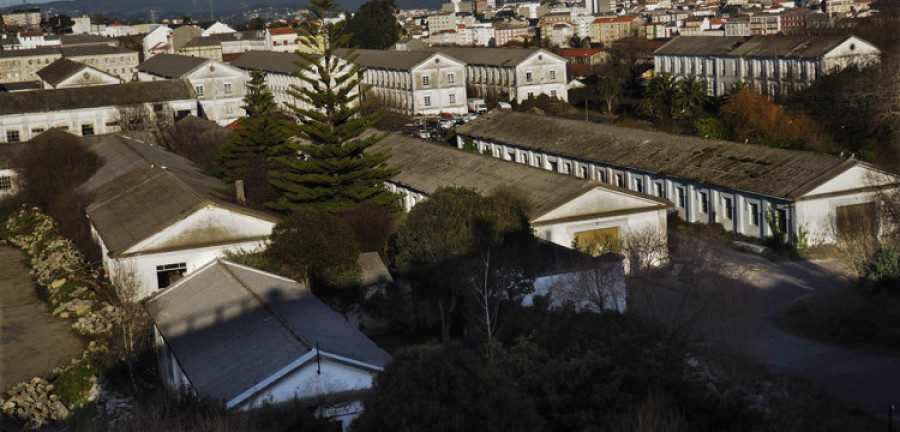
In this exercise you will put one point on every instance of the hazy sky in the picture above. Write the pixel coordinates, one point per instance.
(4, 3)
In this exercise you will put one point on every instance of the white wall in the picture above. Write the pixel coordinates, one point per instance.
(307, 382)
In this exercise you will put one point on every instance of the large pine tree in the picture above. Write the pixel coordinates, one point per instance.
(333, 172)
(259, 140)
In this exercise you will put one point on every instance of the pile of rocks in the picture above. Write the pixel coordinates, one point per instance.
(100, 321)
(32, 402)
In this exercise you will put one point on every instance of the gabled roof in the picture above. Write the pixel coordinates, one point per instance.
(85, 39)
(386, 59)
(171, 65)
(63, 68)
(611, 20)
(506, 57)
(233, 327)
(97, 96)
(89, 50)
(427, 167)
(284, 63)
(126, 204)
(753, 168)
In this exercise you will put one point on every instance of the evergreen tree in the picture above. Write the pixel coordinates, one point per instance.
(258, 141)
(374, 25)
(335, 172)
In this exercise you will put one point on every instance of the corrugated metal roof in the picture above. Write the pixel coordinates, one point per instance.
(506, 57)
(385, 59)
(231, 327)
(756, 46)
(426, 167)
(96, 96)
(754, 168)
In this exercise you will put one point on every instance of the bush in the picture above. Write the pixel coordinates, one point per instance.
(372, 224)
(883, 273)
(196, 139)
(711, 127)
(316, 246)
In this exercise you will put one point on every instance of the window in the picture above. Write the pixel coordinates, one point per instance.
(199, 89)
(754, 214)
(452, 98)
(704, 202)
(620, 180)
(583, 172)
(597, 242)
(659, 190)
(36, 131)
(530, 95)
(553, 74)
(729, 208)
(679, 196)
(12, 136)
(528, 76)
(87, 129)
(426, 80)
(639, 185)
(157, 107)
(227, 88)
(170, 273)
(553, 94)
(601, 175)
(5, 183)
(856, 221)
(427, 100)
(451, 77)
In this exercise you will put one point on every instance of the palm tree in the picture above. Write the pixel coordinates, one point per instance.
(690, 95)
(659, 95)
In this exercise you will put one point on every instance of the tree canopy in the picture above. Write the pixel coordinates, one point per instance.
(374, 25)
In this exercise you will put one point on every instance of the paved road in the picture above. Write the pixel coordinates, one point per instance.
(869, 379)
(32, 342)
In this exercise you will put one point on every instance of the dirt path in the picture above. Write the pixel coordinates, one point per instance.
(32, 341)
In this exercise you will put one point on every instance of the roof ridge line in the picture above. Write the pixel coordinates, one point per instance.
(278, 317)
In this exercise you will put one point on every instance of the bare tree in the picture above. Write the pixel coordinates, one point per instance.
(596, 288)
(133, 324)
(135, 118)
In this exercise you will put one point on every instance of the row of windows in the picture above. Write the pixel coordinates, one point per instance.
(14, 136)
(638, 185)
(451, 100)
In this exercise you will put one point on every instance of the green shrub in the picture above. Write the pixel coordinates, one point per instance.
(883, 273)
(73, 384)
(711, 127)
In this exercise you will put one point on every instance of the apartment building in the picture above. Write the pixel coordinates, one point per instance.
(777, 65)
(606, 30)
(413, 82)
(514, 74)
(22, 65)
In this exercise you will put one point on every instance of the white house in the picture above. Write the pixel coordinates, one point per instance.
(412, 82)
(516, 74)
(156, 217)
(283, 39)
(217, 27)
(158, 41)
(754, 190)
(565, 209)
(245, 337)
(777, 65)
(220, 88)
(65, 73)
(93, 110)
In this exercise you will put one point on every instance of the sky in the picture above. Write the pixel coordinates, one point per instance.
(5, 3)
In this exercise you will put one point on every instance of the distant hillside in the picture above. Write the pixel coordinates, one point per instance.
(199, 9)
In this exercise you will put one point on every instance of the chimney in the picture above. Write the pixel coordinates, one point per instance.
(239, 194)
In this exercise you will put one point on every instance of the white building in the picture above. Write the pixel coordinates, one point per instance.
(91, 110)
(65, 73)
(413, 82)
(559, 34)
(217, 28)
(282, 39)
(282, 70)
(565, 209)
(158, 41)
(220, 88)
(516, 74)
(271, 339)
(777, 65)
(753, 190)
(157, 218)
